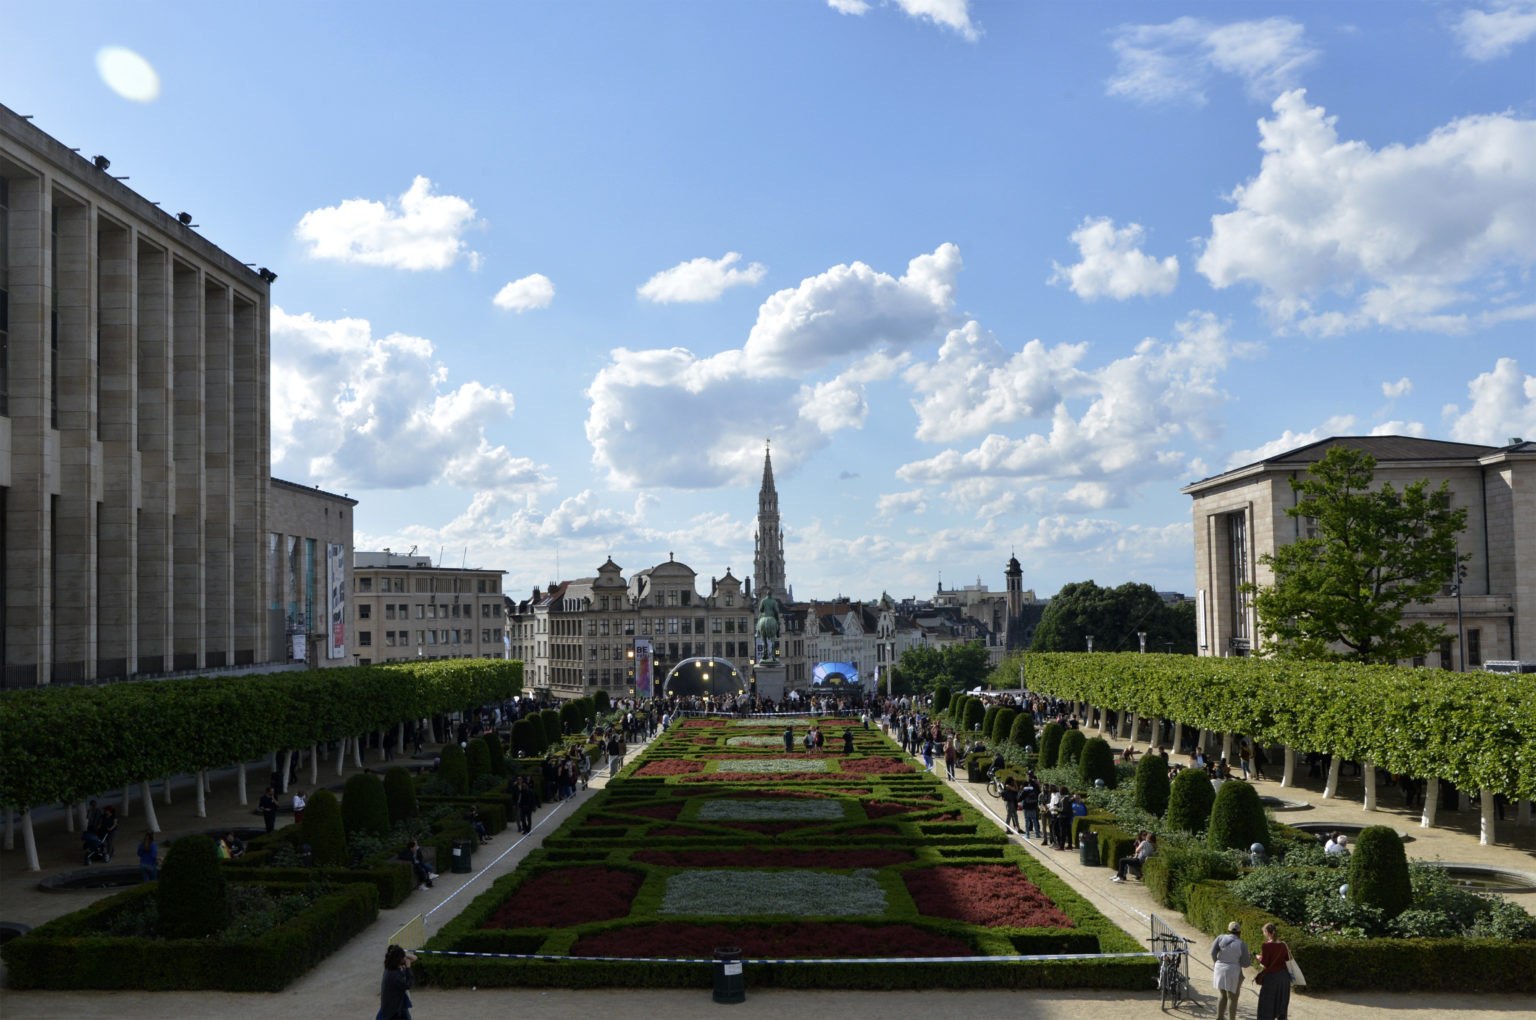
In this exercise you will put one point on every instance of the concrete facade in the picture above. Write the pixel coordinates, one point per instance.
(406, 608)
(1239, 517)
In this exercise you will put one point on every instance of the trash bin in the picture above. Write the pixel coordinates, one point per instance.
(462, 849)
(1088, 847)
(730, 985)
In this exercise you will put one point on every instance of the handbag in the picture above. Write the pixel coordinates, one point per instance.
(1294, 969)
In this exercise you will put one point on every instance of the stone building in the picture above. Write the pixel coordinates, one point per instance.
(1239, 516)
(406, 608)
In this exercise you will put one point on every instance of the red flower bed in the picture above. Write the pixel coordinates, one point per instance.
(876, 766)
(881, 809)
(670, 767)
(771, 941)
(570, 896)
(664, 812)
(752, 857)
(985, 894)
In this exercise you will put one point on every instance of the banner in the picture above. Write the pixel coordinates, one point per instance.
(336, 583)
(643, 667)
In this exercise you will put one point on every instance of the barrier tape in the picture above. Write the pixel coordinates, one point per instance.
(837, 959)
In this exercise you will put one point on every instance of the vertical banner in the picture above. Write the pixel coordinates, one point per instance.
(336, 583)
(642, 667)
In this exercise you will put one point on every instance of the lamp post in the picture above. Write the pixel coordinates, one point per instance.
(1461, 637)
(1142, 635)
(1090, 641)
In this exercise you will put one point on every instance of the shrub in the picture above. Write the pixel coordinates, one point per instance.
(973, 714)
(940, 700)
(1378, 872)
(399, 795)
(324, 832)
(1022, 733)
(478, 759)
(1238, 820)
(364, 805)
(1071, 747)
(600, 703)
(496, 753)
(522, 739)
(454, 768)
(1189, 801)
(1002, 724)
(1152, 784)
(191, 896)
(1050, 744)
(1097, 761)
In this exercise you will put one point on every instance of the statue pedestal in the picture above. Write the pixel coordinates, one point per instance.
(770, 680)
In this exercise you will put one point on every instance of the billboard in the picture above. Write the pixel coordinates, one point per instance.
(336, 585)
(642, 667)
(835, 673)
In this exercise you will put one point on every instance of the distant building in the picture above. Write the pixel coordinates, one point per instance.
(406, 608)
(1239, 516)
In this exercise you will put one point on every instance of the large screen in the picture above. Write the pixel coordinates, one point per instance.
(840, 673)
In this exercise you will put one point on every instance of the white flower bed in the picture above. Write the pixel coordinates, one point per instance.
(772, 765)
(753, 741)
(798, 810)
(724, 893)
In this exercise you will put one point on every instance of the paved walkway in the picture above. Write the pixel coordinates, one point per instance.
(346, 984)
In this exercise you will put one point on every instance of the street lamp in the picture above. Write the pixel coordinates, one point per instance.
(1090, 641)
(1142, 635)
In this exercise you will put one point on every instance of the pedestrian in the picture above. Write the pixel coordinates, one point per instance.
(1274, 977)
(149, 858)
(394, 990)
(298, 805)
(1230, 954)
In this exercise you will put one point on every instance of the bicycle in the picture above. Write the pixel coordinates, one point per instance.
(1172, 952)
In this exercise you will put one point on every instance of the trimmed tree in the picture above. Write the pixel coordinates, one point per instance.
(1050, 744)
(973, 715)
(1237, 818)
(496, 753)
(1189, 801)
(1152, 784)
(1022, 733)
(399, 795)
(1071, 749)
(1378, 872)
(323, 830)
(940, 700)
(454, 768)
(191, 896)
(1097, 761)
(364, 805)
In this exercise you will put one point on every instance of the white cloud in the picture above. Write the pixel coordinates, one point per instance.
(350, 409)
(128, 74)
(701, 279)
(419, 230)
(534, 291)
(1171, 63)
(1412, 226)
(1113, 264)
(1401, 388)
(1503, 407)
(1490, 34)
(951, 14)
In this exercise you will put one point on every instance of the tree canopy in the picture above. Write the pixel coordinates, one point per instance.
(1341, 595)
(1114, 616)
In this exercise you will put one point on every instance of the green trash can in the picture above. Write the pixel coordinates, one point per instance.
(462, 850)
(1088, 847)
(730, 983)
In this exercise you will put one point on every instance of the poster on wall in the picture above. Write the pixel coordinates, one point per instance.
(336, 583)
(642, 667)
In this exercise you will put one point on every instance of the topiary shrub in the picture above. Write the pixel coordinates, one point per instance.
(1002, 724)
(1071, 748)
(399, 795)
(454, 768)
(1152, 784)
(1097, 761)
(988, 718)
(1190, 800)
(191, 897)
(478, 759)
(940, 700)
(600, 702)
(1022, 733)
(324, 832)
(364, 805)
(1378, 872)
(1050, 744)
(1238, 820)
(522, 739)
(973, 714)
(496, 753)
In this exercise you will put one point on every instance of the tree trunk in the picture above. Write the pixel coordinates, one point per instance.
(1431, 803)
(240, 785)
(29, 840)
(1486, 834)
(1368, 780)
(1331, 789)
(202, 799)
(1288, 778)
(151, 822)
(314, 764)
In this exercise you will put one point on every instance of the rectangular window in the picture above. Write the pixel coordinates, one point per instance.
(364, 611)
(1474, 647)
(365, 637)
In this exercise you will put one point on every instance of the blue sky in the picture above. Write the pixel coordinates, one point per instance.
(994, 276)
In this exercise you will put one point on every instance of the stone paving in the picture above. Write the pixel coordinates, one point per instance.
(346, 984)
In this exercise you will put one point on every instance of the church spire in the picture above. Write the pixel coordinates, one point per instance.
(768, 560)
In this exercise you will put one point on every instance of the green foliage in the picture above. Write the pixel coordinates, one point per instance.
(1378, 872)
(973, 715)
(453, 766)
(1377, 552)
(364, 805)
(1152, 784)
(399, 795)
(1050, 744)
(1237, 818)
(1190, 801)
(324, 831)
(1022, 733)
(1096, 761)
(497, 754)
(478, 758)
(1113, 616)
(1071, 748)
(940, 700)
(191, 897)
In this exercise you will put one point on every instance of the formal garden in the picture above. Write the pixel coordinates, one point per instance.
(806, 861)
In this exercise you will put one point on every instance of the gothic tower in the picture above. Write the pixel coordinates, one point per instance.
(768, 560)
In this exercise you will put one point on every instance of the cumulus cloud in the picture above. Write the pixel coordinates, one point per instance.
(1401, 388)
(1113, 264)
(1503, 406)
(700, 279)
(351, 409)
(1409, 229)
(1172, 63)
(1493, 33)
(954, 15)
(534, 291)
(418, 230)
